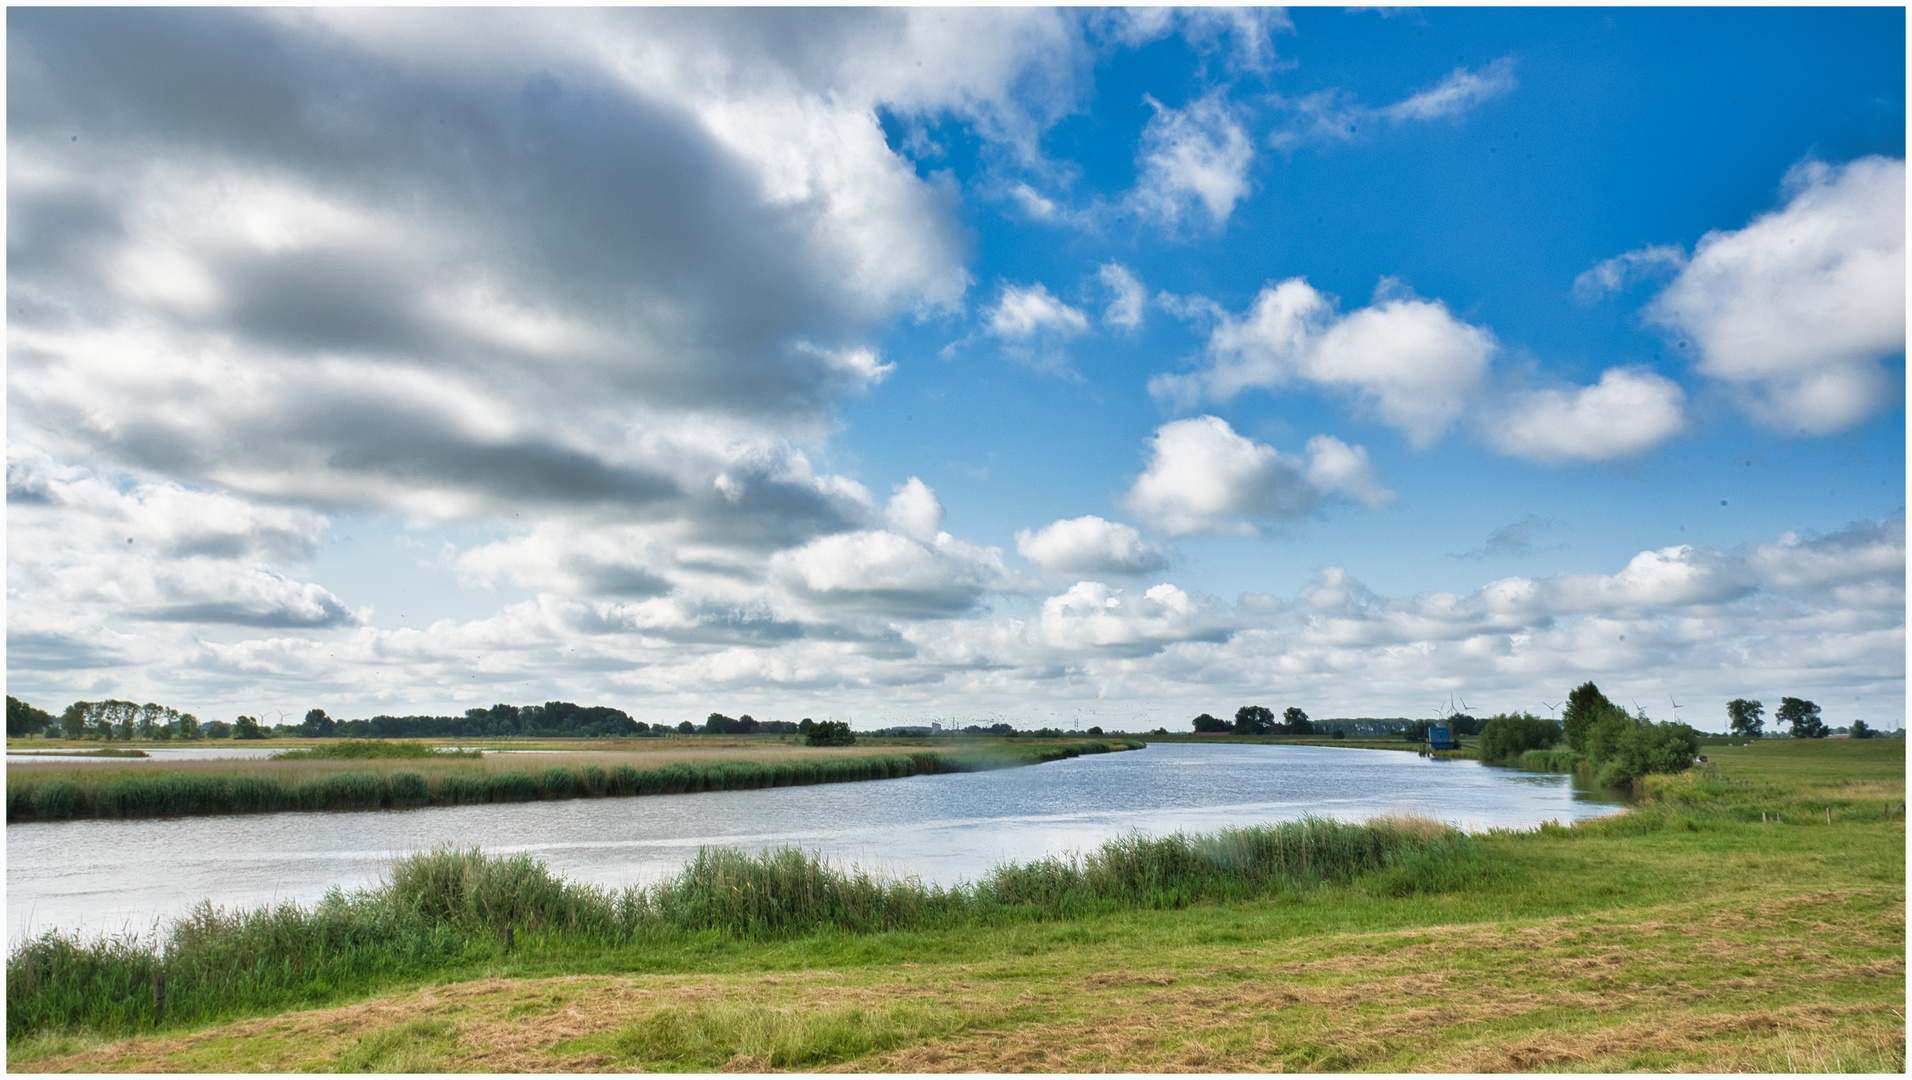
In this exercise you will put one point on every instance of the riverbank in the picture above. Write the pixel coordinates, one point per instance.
(1747, 917)
(57, 791)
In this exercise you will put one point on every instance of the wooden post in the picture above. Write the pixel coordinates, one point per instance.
(159, 996)
(510, 941)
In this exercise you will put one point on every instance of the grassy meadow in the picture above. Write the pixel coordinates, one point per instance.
(373, 775)
(1746, 916)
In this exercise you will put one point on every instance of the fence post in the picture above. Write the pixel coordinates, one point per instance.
(159, 996)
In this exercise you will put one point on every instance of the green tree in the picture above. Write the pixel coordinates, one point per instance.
(1744, 716)
(1803, 716)
(1860, 730)
(1586, 706)
(218, 729)
(686, 727)
(317, 725)
(830, 733)
(247, 727)
(73, 722)
(24, 719)
(1254, 720)
(1295, 722)
(1205, 724)
(1510, 735)
(189, 726)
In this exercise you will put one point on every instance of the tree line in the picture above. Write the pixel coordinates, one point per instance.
(1257, 720)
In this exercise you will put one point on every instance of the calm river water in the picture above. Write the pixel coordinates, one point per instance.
(121, 876)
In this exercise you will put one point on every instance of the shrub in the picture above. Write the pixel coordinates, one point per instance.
(1509, 735)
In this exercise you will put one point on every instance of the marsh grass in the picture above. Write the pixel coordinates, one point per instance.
(415, 1046)
(381, 781)
(374, 749)
(442, 907)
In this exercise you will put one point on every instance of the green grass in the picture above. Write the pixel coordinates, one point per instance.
(1685, 934)
(168, 794)
(447, 906)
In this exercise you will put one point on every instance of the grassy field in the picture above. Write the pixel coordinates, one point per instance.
(155, 787)
(1749, 916)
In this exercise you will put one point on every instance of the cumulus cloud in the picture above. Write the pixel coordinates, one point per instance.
(1196, 156)
(1023, 312)
(1798, 309)
(893, 574)
(91, 556)
(447, 265)
(915, 511)
(1335, 115)
(1629, 411)
(1203, 477)
(1409, 360)
(1089, 545)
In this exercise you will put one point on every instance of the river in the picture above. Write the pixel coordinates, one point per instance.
(116, 877)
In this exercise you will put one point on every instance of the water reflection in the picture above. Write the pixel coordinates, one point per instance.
(110, 876)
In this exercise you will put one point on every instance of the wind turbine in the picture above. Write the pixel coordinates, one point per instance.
(1551, 708)
(1676, 708)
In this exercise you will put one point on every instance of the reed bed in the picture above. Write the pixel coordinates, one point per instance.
(220, 787)
(438, 909)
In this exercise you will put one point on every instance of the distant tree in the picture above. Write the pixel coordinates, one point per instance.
(1586, 706)
(1159, 731)
(189, 727)
(1095, 730)
(24, 720)
(830, 733)
(1295, 722)
(746, 725)
(218, 729)
(1337, 733)
(318, 725)
(73, 722)
(1462, 724)
(247, 727)
(1860, 730)
(1416, 732)
(1254, 720)
(1744, 716)
(1205, 724)
(686, 728)
(1803, 715)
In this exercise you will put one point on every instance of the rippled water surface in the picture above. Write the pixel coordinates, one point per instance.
(113, 876)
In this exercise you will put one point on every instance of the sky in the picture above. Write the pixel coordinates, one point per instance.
(1058, 367)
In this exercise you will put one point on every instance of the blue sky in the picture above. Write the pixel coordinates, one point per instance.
(905, 364)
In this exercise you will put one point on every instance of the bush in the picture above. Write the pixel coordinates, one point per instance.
(1509, 735)
(830, 733)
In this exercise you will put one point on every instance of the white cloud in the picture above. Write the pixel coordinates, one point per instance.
(1612, 275)
(1456, 94)
(1797, 309)
(448, 265)
(106, 571)
(1197, 155)
(893, 574)
(1409, 360)
(1629, 411)
(1335, 115)
(1127, 299)
(1203, 477)
(1025, 312)
(1089, 545)
(915, 511)
(1336, 468)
